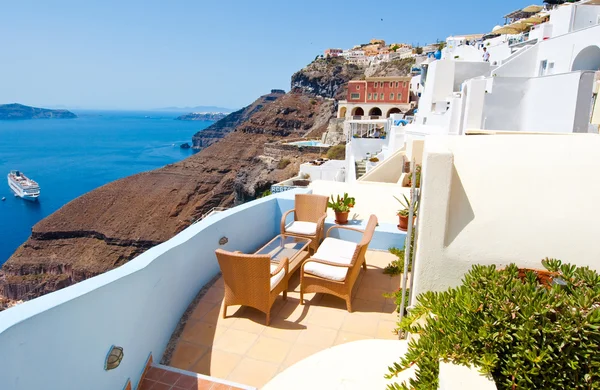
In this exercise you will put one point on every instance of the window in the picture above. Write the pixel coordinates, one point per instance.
(381, 84)
(376, 84)
(370, 96)
(396, 84)
(381, 97)
(391, 96)
(358, 87)
(374, 96)
(404, 84)
(355, 96)
(399, 96)
(543, 67)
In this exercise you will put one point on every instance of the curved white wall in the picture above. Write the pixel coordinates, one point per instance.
(506, 198)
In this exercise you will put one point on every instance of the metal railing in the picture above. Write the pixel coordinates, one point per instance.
(214, 210)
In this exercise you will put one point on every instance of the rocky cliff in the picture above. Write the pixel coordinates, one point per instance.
(202, 116)
(16, 111)
(107, 227)
(221, 128)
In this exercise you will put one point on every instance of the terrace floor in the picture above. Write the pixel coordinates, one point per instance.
(240, 348)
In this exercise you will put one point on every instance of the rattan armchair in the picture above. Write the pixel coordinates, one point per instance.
(252, 280)
(334, 268)
(310, 212)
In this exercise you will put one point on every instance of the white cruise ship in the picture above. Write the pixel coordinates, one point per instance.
(23, 186)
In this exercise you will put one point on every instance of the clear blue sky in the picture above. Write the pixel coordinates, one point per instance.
(130, 54)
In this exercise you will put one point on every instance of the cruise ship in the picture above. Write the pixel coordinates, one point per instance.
(23, 186)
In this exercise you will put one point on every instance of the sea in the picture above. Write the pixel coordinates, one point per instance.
(69, 157)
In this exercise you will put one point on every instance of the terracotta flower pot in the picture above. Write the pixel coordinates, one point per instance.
(404, 222)
(341, 218)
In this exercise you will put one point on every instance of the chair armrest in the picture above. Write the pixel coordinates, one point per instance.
(313, 260)
(285, 263)
(284, 217)
(321, 226)
(343, 227)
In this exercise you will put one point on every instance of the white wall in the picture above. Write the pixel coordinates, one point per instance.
(330, 170)
(560, 18)
(531, 104)
(503, 199)
(563, 50)
(464, 70)
(60, 340)
(522, 64)
(585, 16)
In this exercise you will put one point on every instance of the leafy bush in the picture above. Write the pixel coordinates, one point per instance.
(283, 163)
(523, 333)
(337, 152)
(396, 267)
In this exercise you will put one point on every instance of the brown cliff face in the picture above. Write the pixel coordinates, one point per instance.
(107, 227)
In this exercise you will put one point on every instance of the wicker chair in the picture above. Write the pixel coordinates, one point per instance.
(252, 280)
(310, 212)
(334, 268)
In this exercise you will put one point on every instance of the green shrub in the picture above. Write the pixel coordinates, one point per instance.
(396, 267)
(520, 332)
(284, 162)
(337, 152)
(265, 193)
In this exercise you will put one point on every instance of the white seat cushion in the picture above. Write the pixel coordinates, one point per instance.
(335, 251)
(275, 279)
(301, 227)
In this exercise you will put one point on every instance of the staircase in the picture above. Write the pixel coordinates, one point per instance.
(361, 168)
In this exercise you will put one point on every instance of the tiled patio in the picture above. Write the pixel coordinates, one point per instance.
(242, 349)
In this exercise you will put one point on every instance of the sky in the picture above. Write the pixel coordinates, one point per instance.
(128, 54)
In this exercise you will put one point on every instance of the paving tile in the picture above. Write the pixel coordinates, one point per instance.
(169, 377)
(236, 341)
(220, 386)
(371, 294)
(217, 363)
(317, 336)
(191, 382)
(294, 312)
(361, 325)
(199, 332)
(386, 330)
(146, 384)
(326, 317)
(346, 337)
(213, 316)
(253, 372)
(154, 373)
(299, 352)
(332, 302)
(186, 354)
(361, 306)
(214, 295)
(202, 309)
(283, 330)
(160, 386)
(269, 350)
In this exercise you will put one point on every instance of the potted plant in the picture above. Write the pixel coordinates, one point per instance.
(341, 207)
(417, 175)
(403, 213)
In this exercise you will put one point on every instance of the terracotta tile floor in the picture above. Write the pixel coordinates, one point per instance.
(160, 379)
(242, 349)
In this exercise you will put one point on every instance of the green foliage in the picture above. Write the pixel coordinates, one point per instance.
(406, 205)
(418, 50)
(394, 48)
(418, 176)
(284, 162)
(342, 204)
(523, 334)
(441, 45)
(337, 152)
(265, 193)
(396, 267)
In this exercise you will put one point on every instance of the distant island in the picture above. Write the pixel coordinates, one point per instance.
(202, 116)
(17, 111)
(196, 109)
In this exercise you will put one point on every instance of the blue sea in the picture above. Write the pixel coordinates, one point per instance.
(69, 157)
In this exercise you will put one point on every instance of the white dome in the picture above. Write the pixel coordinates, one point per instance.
(496, 28)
